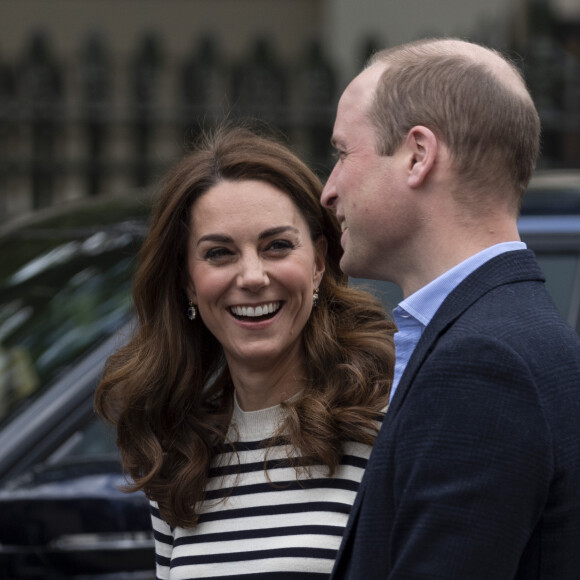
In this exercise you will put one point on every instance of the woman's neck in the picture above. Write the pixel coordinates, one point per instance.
(260, 388)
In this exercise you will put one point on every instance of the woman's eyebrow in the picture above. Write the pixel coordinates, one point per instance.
(276, 231)
(221, 238)
(225, 239)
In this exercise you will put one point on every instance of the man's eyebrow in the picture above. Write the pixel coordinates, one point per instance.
(337, 143)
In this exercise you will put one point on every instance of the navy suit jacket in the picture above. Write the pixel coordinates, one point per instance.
(475, 473)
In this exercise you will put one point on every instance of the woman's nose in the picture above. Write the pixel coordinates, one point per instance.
(252, 275)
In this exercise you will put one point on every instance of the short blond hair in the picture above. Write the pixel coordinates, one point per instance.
(472, 98)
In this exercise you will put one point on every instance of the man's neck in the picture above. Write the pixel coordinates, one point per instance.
(451, 247)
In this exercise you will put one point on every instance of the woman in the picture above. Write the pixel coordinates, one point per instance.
(248, 399)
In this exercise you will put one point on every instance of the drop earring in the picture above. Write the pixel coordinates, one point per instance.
(191, 311)
(315, 298)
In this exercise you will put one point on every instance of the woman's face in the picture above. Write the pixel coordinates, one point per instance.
(253, 269)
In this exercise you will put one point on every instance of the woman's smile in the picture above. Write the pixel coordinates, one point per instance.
(253, 268)
(261, 311)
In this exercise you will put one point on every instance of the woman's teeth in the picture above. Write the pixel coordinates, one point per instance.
(254, 311)
(343, 226)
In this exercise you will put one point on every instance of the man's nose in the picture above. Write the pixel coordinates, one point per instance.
(328, 197)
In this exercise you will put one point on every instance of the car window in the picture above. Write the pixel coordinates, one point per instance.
(65, 285)
(387, 293)
(562, 271)
(95, 439)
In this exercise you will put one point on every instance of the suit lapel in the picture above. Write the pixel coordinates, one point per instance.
(509, 267)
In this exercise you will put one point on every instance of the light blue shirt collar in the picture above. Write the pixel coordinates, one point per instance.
(415, 312)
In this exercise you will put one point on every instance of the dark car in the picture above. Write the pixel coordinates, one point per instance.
(65, 306)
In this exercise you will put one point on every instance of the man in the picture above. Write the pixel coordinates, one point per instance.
(475, 473)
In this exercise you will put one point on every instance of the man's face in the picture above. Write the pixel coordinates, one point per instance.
(366, 189)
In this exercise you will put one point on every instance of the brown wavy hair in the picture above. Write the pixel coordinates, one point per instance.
(169, 392)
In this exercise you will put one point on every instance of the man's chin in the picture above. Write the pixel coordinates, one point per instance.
(352, 267)
(357, 268)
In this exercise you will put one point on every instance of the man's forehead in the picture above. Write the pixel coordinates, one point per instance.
(366, 82)
(359, 93)
(355, 101)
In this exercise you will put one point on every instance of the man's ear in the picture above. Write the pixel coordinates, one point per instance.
(320, 249)
(421, 145)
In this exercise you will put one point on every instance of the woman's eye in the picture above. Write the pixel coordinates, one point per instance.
(217, 254)
(280, 246)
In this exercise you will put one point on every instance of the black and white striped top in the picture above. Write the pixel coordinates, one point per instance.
(259, 525)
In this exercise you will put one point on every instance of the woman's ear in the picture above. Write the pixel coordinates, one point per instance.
(421, 145)
(320, 250)
(191, 294)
